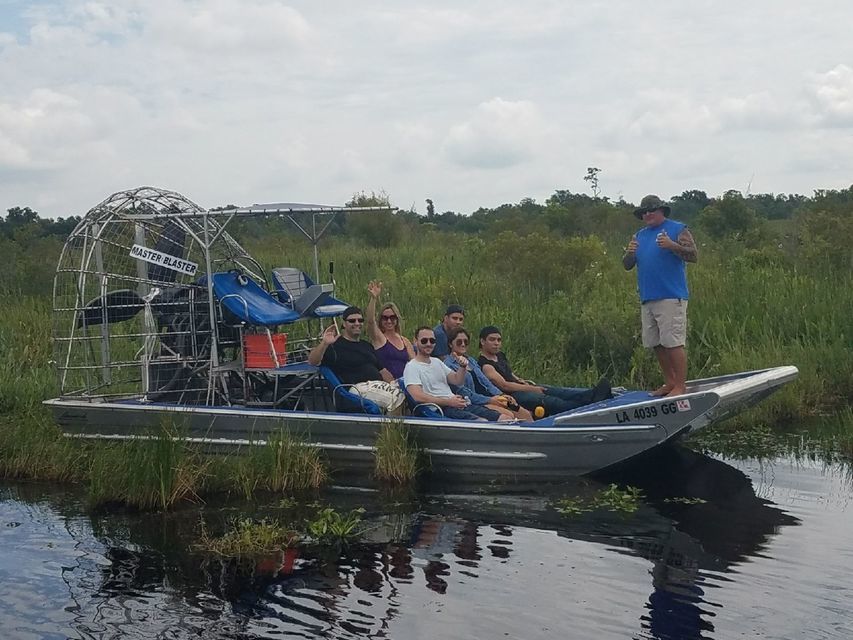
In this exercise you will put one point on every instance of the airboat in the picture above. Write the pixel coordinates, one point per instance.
(161, 316)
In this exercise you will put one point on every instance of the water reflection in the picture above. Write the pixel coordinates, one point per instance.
(423, 569)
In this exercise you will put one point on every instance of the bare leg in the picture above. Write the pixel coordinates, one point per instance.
(666, 368)
(677, 357)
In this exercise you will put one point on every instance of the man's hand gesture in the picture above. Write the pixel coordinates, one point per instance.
(330, 335)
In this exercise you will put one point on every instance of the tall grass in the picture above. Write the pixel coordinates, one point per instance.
(31, 446)
(147, 474)
(397, 454)
(568, 310)
(284, 463)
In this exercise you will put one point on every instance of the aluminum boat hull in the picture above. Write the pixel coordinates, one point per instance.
(574, 443)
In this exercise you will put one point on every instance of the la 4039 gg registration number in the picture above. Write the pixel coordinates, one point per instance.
(644, 413)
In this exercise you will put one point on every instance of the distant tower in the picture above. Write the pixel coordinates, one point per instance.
(430, 208)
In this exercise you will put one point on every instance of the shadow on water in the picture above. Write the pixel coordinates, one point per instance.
(698, 515)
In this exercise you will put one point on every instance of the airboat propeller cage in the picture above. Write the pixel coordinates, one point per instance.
(134, 310)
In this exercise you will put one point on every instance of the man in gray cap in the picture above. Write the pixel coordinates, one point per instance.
(660, 252)
(454, 317)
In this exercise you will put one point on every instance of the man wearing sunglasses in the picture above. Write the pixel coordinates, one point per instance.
(428, 379)
(661, 251)
(352, 359)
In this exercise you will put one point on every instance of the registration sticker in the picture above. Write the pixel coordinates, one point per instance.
(683, 405)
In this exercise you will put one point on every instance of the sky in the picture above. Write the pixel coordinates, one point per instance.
(470, 104)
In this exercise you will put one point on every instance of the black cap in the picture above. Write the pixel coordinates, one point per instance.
(489, 330)
(454, 308)
(349, 311)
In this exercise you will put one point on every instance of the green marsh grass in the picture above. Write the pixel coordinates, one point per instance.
(398, 457)
(248, 537)
(156, 473)
(284, 463)
(569, 314)
(31, 446)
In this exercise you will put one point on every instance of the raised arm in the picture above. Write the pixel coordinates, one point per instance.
(374, 288)
(686, 247)
(315, 356)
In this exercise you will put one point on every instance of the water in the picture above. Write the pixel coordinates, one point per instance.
(764, 553)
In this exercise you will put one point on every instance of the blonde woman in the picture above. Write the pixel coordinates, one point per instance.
(392, 348)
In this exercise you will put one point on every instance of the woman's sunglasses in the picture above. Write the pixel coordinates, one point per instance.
(391, 317)
(427, 340)
(461, 342)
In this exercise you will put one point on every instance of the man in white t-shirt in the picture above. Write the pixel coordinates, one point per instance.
(428, 379)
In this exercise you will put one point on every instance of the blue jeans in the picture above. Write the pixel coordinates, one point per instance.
(460, 414)
(555, 399)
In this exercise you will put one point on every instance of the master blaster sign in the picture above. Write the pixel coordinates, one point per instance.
(163, 259)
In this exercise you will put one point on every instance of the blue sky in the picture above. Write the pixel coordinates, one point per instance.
(470, 104)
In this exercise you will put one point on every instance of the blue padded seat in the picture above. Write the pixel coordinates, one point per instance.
(244, 298)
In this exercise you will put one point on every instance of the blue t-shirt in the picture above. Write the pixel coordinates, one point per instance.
(441, 347)
(661, 274)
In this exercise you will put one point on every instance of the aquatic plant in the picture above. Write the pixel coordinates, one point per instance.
(758, 441)
(152, 473)
(332, 527)
(284, 463)
(683, 500)
(572, 506)
(613, 498)
(398, 457)
(247, 537)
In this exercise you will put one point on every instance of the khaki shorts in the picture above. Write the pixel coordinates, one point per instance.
(664, 323)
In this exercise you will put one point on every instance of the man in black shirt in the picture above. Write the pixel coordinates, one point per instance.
(530, 395)
(351, 359)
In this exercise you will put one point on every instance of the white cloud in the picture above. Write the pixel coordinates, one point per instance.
(832, 93)
(231, 101)
(499, 134)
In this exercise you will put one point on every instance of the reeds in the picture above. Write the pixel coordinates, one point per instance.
(284, 463)
(398, 457)
(154, 473)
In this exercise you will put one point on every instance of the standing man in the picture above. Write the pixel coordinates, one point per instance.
(454, 318)
(660, 252)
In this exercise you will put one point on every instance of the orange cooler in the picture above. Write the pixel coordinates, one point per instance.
(258, 350)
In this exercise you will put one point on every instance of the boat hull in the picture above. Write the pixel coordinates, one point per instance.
(576, 443)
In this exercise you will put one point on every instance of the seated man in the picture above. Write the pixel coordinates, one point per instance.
(428, 379)
(491, 403)
(553, 400)
(353, 360)
(454, 317)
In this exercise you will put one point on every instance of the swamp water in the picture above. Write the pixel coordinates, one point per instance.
(715, 549)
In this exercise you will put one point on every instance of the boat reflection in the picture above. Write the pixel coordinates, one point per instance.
(699, 517)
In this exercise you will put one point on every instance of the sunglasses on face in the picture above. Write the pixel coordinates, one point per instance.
(461, 342)
(391, 317)
(427, 340)
(354, 320)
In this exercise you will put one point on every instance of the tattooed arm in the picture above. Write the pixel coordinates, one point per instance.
(685, 248)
